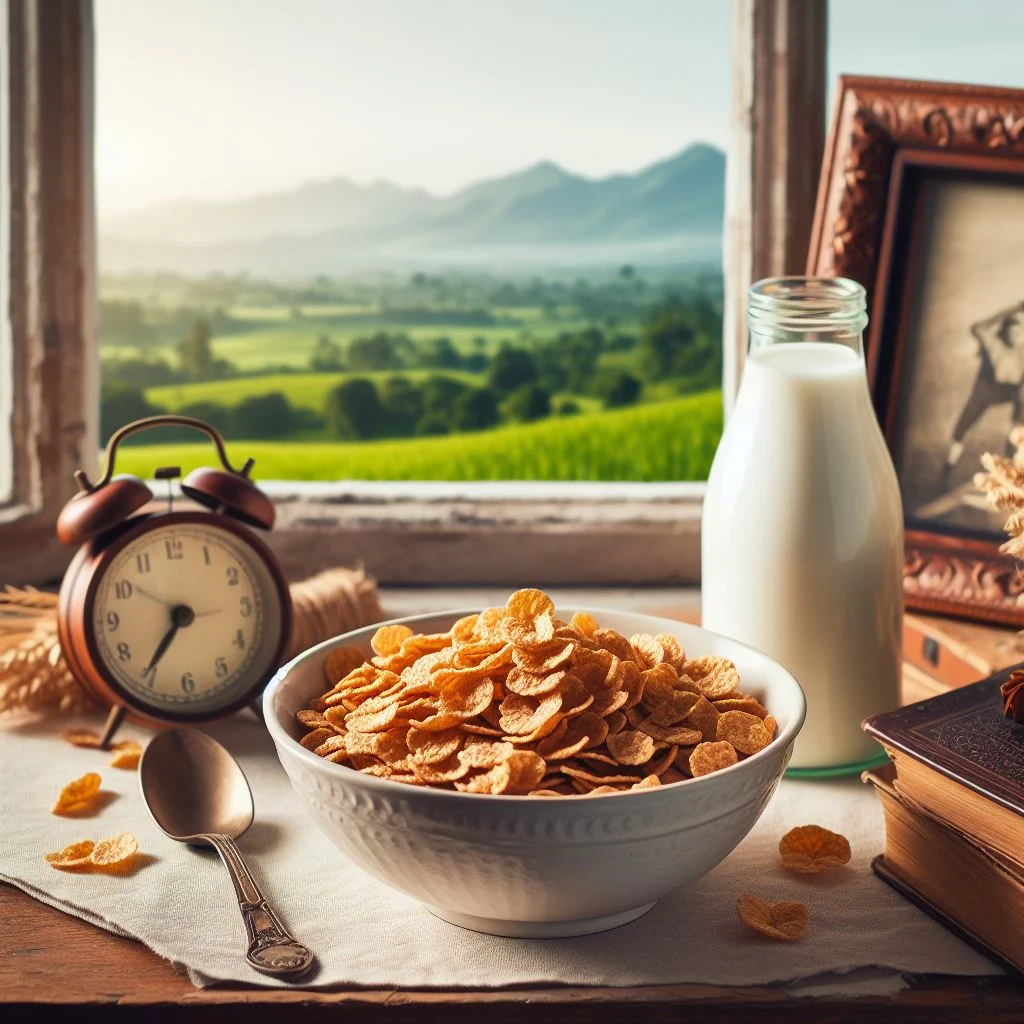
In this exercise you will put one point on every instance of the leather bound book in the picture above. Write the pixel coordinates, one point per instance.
(971, 891)
(959, 759)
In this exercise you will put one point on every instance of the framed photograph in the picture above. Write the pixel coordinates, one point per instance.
(921, 200)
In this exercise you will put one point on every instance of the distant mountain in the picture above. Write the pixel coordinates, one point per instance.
(543, 215)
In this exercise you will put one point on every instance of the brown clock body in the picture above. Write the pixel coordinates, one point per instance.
(77, 599)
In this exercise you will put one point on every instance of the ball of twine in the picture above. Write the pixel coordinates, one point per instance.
(35, 678)
(332, 602)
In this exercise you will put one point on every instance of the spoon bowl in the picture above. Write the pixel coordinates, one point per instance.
(197, 794)
(193, 787)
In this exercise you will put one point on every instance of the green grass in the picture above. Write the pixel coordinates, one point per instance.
(667, 441)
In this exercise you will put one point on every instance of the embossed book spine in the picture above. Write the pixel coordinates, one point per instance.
(964, 736)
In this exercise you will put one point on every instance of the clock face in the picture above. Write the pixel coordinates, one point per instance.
(186, 618)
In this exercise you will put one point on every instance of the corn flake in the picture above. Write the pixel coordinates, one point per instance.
(786, 921)
(811, 849)
(77, 795)
(126, 754)
(514, 700)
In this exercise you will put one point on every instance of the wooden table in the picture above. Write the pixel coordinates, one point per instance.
(53, 963)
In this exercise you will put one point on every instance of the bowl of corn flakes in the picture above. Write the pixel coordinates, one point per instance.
(533, 771)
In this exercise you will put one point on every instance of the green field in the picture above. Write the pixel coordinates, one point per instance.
(672, 440)
(271, 336)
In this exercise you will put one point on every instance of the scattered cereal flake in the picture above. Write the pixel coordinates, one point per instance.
(811, 849)
(72, 858)
(78, 793)
(126, 754)
(115, 853)
(786, 921)
(81, 737)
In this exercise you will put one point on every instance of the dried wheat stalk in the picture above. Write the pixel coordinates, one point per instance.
(34, 677)
(1003, 483)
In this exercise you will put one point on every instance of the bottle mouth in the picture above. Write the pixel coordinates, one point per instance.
(807, 304)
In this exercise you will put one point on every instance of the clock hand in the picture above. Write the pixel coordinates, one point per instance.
(181, 616)
(152, 597)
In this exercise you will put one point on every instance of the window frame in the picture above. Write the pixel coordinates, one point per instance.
(548, 534)
(51, 262)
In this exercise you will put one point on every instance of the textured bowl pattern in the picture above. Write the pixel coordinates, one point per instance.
(537, 866)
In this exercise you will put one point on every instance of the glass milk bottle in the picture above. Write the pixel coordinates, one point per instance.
(802, 531)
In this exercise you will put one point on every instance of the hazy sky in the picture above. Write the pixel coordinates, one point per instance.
(217, 98)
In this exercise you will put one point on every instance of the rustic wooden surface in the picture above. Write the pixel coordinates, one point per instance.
(51, 962)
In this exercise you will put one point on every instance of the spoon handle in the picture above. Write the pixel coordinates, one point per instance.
(272, 950)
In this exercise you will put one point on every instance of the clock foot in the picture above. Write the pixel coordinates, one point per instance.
(256, 707)
(114, 721)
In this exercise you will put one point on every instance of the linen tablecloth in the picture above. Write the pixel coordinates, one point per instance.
(180, 902)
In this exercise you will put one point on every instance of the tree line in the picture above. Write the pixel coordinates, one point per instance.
(680, 340)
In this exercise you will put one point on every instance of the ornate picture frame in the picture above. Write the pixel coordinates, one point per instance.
(901, 158)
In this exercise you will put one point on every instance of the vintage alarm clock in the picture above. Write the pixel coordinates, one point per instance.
(171, 617)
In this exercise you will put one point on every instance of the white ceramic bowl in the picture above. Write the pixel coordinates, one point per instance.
(537, 866)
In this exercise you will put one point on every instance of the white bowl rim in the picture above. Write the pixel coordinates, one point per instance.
(386, 785)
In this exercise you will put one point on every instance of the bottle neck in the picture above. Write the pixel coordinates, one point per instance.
(795, 310)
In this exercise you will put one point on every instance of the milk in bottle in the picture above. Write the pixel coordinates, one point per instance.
(802, 532)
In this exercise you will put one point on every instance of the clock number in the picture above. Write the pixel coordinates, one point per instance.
(246, 607)
(142, 562)
(188, 683)
(124, 652)
(239, 640)
(206, 555)
(175, 551)
(220, 666)
(123, 590)
(113, 621)
(232, 574)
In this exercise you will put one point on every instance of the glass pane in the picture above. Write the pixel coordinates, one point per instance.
(977, 41)
(450, 240)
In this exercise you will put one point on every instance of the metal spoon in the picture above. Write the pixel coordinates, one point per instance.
(197, 794)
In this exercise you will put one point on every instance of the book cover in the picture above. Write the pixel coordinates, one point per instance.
(893, 878)
(964, 735)
(941, 842)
